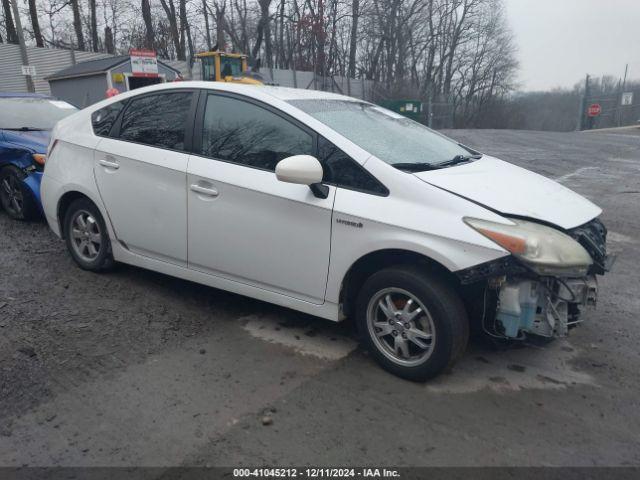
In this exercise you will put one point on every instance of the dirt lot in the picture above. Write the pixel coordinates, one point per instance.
(136, 368)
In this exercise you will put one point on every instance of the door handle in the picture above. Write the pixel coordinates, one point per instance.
(210, 192)
(109, 164)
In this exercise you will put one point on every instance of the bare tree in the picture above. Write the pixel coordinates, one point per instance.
(205, 14)
(109, 45)
(353, 37)
(35, 24)
(455, 55)
(77, 24)
(148, 23)
(94, 26)
(12, 36)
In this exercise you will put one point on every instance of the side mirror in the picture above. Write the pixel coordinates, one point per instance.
(301, 169)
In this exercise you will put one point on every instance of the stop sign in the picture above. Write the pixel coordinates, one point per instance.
(594, 110)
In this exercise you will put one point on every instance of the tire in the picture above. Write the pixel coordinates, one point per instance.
(89, 246)
(442, 315)
(15, 197)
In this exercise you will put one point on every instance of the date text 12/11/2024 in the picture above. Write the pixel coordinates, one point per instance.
(315, 473)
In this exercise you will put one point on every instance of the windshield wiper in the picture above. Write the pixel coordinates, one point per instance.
(24, 129)
(424, 166)
(458, 159)
(415, 167)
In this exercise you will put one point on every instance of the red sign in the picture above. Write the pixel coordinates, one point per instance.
(143, 63)
(594, 110)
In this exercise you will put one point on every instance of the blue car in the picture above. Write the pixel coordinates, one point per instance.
(26, 121)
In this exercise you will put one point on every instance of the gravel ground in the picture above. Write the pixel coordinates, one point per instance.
(137, 368)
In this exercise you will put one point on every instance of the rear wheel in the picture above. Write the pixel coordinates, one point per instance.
(15, 197)
(414, 324)
(87, 237)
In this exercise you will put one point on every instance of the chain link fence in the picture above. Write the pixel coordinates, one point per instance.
(616, 109)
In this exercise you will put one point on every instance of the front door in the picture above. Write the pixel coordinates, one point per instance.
(141, 176)
(243, 223)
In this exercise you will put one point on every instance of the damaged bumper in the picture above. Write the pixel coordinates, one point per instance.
(547, 307)
(518, 301)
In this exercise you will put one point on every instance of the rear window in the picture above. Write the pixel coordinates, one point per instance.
(24, 113)
(102, 120)
(158, 120)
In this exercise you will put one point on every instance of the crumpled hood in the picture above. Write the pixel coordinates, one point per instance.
(512, 190)
(36, 140)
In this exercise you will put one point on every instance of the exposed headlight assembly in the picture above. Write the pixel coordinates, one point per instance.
(545, 250)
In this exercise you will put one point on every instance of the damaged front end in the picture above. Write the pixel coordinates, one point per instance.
(536, 292)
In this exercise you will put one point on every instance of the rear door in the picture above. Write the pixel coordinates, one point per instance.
(244, 224)
(141, 170)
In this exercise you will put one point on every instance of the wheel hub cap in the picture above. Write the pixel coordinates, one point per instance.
(85, 236)
(401, 327)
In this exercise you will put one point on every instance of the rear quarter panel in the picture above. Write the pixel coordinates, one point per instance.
(69, 167)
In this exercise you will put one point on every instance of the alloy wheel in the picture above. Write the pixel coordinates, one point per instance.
(401, 327)
(12, 193)
(86, 237)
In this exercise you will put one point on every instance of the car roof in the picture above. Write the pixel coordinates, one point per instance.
(286, 93)
(280, 93)
(24, 95)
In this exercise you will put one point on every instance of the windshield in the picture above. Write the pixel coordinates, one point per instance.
(389, 136)
(32, 113)
(230, 66)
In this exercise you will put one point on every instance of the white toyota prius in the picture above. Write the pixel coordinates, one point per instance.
(328, 205)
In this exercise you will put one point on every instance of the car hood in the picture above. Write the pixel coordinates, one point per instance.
(511, 190)
(36, 140)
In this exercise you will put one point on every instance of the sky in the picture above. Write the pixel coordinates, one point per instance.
(560, 41)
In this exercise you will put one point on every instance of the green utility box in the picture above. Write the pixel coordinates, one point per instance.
(409, 108)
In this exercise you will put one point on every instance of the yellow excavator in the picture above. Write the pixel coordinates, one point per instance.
(220, 66)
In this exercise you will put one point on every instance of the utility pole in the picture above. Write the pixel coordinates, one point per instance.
(583, 105)
(23, 47)
(621, 89)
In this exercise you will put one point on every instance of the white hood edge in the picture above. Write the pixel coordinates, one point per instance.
(512, 190)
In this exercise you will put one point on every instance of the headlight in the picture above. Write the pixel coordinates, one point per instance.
(39, 158)
(546, 250)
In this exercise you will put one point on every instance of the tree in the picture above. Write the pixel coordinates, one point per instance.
(353, 37)
(148, 23)
(77, 24)
(12, 36)
(205, 14)
(109, 45)
(94, 26)
(177, 34)
(35, 24)
(455, 55)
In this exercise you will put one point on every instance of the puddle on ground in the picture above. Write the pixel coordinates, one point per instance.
(532, 367)
(619, 238)
(306, 338)
(481, 368)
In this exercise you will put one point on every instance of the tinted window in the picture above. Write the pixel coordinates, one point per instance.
(103, 119)
(241, 132)
(342, 170)
(157, 120)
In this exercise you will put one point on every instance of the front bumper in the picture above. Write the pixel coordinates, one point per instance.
(546, 307)
(33, 181)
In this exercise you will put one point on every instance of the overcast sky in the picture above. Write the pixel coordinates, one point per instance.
(559, 41)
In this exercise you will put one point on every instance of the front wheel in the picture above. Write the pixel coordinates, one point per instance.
(16, 199)
(413, 323)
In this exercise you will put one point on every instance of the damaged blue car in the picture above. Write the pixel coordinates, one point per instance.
(26, 121)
